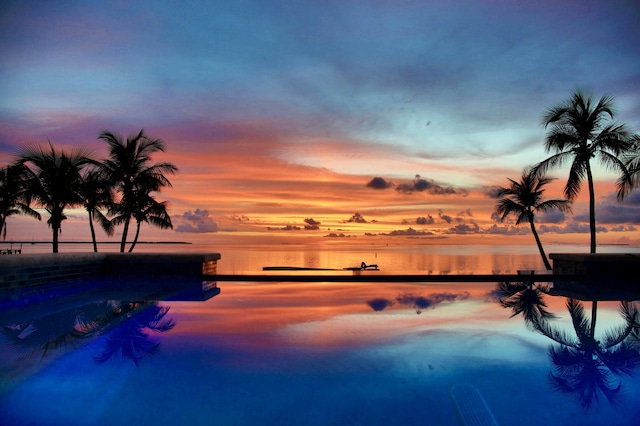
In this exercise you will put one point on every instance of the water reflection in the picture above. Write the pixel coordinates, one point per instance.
(121, 323)
(417, 302)
(130, 329)
(585, 365)
(123, 326)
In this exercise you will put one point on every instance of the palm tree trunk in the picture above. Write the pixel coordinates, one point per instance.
(135, 239)
(594, 314)
(535, 234)
(54, 243)
(592, 209)
(125, 230)
(93, 232)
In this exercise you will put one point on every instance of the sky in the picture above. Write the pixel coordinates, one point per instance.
(323, 119)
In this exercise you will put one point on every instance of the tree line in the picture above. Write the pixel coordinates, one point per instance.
(114, 191)
(580, 130)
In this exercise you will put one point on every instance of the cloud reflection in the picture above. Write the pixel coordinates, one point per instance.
(417, 302)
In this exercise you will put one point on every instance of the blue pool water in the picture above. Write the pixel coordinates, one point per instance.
(303, 354)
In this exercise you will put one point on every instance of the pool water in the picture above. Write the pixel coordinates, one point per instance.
(300, 354)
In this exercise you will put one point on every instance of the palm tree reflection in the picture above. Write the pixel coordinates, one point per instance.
(526, 298)
(583, 366)
(131, 336)
(126, 328)
(48, 333)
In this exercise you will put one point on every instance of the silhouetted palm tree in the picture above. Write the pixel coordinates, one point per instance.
(128, 168)
(524, 198)
(632, 161)
(54, 182)
(581, 130)
(151, 211)
(97, 194)
(13, 180)
(585, 366)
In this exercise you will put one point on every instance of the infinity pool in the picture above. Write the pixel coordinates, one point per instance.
(308, 354)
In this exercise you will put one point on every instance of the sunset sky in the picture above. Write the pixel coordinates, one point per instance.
(323, 118)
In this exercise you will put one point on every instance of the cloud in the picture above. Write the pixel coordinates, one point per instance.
(507, 230)
(197, 222)
(610, 211)
(357, 218)
(430, 301)
(554, 216)
(491, 191)
(379, 304)
(285, 228)
(420, 184)
(429, 220)
(444, 217)
(464, 228)
(622, 228)
(240, 218)
(379, 183)
(569, 228)
(407, 232)
(311, 224)
(336, 235)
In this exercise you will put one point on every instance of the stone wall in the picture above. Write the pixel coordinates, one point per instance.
(33, 270)
(603, 270)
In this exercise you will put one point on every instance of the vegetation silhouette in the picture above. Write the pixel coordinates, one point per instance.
(583, 366)
(526, 299)
(523, 199)
(13, 179)
(147, 209)
(632, 161)
(131, 334)
(97, 194)
(54, 182)
(47, 333)
(125, 327)
(581, 129)
(129, 170)
(122, 185)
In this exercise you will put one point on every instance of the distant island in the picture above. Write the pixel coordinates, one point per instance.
(90, 242)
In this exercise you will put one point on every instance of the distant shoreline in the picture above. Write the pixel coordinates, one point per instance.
(91, 242)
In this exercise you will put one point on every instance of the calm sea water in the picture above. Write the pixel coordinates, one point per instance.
(311, 353)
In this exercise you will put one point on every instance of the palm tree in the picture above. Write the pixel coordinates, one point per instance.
(632, 162)
(13, 179)
(151, 211)
(128, 169)
(524, 198)
(97, 194)
(581, 130)
(54, 182)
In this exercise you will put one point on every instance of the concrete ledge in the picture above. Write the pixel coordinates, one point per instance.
(605, 271)
(30, 271)
(160, 265)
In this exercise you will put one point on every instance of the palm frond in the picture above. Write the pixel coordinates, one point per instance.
(576, 176)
